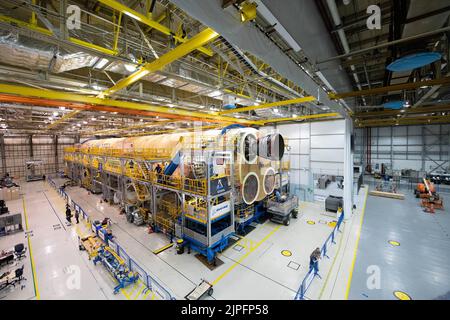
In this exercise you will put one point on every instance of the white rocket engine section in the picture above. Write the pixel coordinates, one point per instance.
(255, 155)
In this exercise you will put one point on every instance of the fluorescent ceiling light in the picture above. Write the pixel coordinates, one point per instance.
(130, 67)
(273, 21)
(131, 15)
(96, 87)
(101, 63)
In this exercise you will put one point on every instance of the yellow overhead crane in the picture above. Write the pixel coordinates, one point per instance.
(73, 97)
(149, 22)
(183, 49)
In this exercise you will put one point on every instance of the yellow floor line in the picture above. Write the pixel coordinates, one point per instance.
(125, 294)
(245, 256)
(78, 232)
(157, 251)
(332, 265)
(357, 244)
(146, 294)
(33, 266)
(131, 289)
(141, 289)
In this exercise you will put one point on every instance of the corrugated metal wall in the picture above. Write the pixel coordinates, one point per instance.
(15, 151)
(422, 148)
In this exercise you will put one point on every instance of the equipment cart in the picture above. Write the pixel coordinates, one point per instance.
(203, 288)
(281, 210)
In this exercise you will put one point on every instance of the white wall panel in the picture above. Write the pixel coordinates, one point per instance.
(332, 168)
(295, 145)
(304, 130)
(335, 155)
(304, 161)
(328, 127)
(289, 130)
(305, 146)
(330, 142)
(305, 177)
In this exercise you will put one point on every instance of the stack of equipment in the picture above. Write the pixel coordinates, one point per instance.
(116, 266)
(333, 203)
(3, 207)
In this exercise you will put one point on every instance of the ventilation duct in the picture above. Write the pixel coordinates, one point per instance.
(28, 53)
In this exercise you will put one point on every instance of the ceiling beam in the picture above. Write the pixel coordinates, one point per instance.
(89, 101)
(409, 111)
(398, 87)
(183, 49)
(404, 121)
(386, 44)
(149, 22)
(62, 119)
(299, 118)
(269, 105)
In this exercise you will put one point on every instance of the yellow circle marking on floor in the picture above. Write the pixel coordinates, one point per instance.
(286, 253)
(394, 243)
(310, 222)
(400, 295)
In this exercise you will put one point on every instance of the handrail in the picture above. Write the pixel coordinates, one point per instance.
(307, 280)
(149, 281)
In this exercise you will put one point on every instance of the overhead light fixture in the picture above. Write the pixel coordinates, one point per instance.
(85, 122)
(101, 63)
(96, 87)
(276, 110)
(130, 67)
(55, 114)
(93, 119)
(62, 108)
(248, 11)
(273, 21)
(294, 116)
(79, 124)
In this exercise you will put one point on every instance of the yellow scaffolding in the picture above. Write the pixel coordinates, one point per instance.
(196, 186)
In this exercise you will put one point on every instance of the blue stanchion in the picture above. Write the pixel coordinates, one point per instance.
(149, 281)
(311, 275)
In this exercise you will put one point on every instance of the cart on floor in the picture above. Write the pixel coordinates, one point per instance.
(281, 210)
(203, 288)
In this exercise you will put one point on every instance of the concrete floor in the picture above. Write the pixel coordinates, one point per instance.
(253, 268)
(419, 266)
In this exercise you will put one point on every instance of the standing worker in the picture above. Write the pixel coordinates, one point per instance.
(77, 216)
(314, 261)
(68, 214)
(158, 171)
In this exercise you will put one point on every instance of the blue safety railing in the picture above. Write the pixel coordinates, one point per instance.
(150, 283)
(311, 275)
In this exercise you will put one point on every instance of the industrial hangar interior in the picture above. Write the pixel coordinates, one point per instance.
(224, 150)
